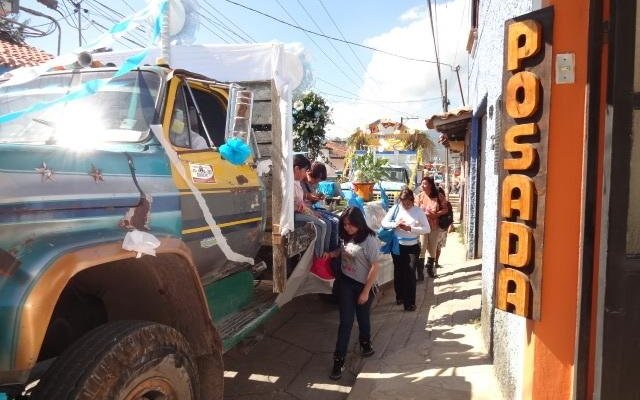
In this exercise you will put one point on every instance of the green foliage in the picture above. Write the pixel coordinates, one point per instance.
(369, 168)
(310, 116)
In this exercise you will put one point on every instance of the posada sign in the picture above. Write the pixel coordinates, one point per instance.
(525, 123)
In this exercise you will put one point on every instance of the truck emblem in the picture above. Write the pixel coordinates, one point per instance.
(96, 174)
(45, 172)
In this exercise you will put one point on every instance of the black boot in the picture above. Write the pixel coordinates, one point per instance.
(431, 270)
(419, 269)
(338, 366)
(367, 349)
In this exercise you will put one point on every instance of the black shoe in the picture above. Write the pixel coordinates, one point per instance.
(367, 349)
(419, 265)
(338, 366)
(410, 308)
(399, 301)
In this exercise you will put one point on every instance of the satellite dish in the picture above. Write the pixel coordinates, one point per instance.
(183, 21)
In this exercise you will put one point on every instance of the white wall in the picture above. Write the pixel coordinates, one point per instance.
(504, 331)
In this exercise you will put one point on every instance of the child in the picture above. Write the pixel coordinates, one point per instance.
(302, 213)
(359, 251)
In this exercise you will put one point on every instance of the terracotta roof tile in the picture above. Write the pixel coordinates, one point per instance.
(21, 55)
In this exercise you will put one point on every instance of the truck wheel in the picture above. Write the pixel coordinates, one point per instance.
(123, 360)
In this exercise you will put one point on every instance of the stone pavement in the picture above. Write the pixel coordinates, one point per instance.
(433, 353)
(437, 352)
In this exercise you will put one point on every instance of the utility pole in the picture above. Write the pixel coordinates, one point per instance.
(457, 69)
(165, 45)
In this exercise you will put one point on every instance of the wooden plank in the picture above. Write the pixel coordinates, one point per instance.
(279, 255)
(266, 150)
(261, 89)
(263, 137)
(262, 113)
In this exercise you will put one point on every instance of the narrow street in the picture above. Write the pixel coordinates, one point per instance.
(435, 353)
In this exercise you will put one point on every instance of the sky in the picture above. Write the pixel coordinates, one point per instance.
(360, 85)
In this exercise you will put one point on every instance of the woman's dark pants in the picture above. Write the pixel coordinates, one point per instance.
(348, 291)
(404, 274)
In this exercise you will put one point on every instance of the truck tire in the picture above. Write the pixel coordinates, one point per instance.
(123, 360)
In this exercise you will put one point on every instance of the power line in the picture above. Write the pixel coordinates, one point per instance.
(111, 19)
(361, 100)
(342, 36)
(210, 30)
(329, 41)
(251, 39)
(435, 48)
(225, 27)
(319, 47)
(105, 29)
(335, 38)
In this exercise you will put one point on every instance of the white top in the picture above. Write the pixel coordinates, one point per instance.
(414, 217)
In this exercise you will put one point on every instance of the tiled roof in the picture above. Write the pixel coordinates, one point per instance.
(451, 116)
(336, 149)
(21, 55)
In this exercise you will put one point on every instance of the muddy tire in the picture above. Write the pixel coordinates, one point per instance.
(123, 360)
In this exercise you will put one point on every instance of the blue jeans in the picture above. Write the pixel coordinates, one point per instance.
(333, 223)
(348, 291)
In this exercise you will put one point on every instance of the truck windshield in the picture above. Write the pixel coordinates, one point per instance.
(120, 111)
(396, 174)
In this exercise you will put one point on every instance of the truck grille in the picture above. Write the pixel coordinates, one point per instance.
(393, 196)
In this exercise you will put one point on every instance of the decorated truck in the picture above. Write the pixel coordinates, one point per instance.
(136, 242)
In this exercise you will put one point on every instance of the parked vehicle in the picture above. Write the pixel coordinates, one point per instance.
(81, 314)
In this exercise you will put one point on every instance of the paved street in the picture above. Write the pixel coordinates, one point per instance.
(434, 353)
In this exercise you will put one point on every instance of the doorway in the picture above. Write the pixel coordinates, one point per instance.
(620, 348)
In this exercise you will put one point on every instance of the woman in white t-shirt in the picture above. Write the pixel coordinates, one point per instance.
(409, 222)
(359, 252)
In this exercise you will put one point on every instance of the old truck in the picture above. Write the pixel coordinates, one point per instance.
(81, 317)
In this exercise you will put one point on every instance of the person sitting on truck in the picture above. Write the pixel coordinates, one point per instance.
(317, 173)
(302, 212)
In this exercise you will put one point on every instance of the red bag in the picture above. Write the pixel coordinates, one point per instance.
(321, 267)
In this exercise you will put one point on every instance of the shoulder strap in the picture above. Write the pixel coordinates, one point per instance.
(395, 213)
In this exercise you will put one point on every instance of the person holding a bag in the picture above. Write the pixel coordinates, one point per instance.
(408, 222)
(358, 273)
(431, 206)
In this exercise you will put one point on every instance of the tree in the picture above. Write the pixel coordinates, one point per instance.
(310, 116)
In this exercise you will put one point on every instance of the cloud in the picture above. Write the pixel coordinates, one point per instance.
(396, 80)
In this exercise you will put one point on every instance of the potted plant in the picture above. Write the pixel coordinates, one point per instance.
(368, 170)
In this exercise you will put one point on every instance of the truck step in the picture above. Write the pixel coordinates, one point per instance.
(236, 326)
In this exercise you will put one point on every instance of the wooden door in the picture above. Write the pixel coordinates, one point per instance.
(621, 333)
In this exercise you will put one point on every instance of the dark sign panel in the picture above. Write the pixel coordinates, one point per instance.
(525, 128)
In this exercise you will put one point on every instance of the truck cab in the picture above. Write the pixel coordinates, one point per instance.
(80, 171)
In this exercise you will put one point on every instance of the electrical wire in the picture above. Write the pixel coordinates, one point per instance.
(313, 20)
(136, 36)
(123, 37)
(335, 38)
(361, 100)
(210, 30)
(251, 39)
(224, 27)
(435, 48)
(320, 48)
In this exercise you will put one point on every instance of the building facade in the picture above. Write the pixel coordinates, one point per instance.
(555, 89)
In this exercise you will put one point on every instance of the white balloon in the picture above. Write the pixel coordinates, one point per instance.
(177, 17)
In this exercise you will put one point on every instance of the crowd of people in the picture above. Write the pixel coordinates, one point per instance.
(420, 226)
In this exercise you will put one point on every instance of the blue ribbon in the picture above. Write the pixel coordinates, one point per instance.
(235, 151)
(92, 86)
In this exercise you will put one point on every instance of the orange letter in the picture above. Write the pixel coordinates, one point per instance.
(519, 297)
(524, 203)
(526, 149)
(527, 86)
(524, 40)
(523, 236)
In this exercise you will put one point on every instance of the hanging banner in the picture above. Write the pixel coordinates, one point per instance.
(526, 91)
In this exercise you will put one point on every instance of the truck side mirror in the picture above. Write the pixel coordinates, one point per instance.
(239, 114)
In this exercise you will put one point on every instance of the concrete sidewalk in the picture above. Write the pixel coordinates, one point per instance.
(435, 352)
